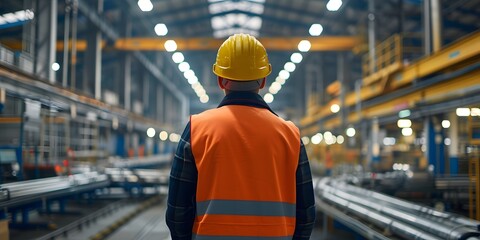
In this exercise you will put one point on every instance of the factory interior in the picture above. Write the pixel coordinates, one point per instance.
(95, 94)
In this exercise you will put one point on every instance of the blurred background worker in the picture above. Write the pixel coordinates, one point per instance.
(240, 171)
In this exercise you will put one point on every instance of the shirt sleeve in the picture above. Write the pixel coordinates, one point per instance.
(181, 206)
(305, 215)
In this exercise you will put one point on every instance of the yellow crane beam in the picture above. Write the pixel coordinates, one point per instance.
(333, 43)
(271, 43)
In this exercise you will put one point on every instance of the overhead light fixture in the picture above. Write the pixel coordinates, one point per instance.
(161, 29)
(350, 132)
(284, 74)
(445, 124)
(463, 112)
(204, 99)
(340, 139)
(404, 113)
(316, 29)
(145, 5)
(289, 66)
(192, 80)
(317, 138)
(268, 98)
(183, 66)
(296, 57)
(163, 135)
(475, 112)
(407, 132)
(334, 5)
(55, 66)
(178, 57)
(304, 46)
(305, 140)
(404, 123)
(335, 108)
(150, 132)
(170, 45)
(189, 73)
(280, 80)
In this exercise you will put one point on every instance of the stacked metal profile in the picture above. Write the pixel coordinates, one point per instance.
(391, 216)
(26, 191)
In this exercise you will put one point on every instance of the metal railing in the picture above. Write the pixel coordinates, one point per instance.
(396, 51)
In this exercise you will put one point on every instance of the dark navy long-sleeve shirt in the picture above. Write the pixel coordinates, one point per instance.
(181, 210)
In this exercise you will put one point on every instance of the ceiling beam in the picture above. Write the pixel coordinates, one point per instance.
(327, 43)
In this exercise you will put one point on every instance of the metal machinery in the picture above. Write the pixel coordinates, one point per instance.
(378, 216)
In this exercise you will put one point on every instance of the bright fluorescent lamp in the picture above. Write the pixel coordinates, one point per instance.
(170, 45)
(145, 5)
(463, 112)
(183, 67)
(289, 66)
(189, 73)
(192, 80)
(268, 98)
(296, 57)
(161, 29)
(163, 135)
(445, 124)
(317, 138)
(304, 46)
(204, 99)
(178, 57)
(55, 66)
(284, 74)
(404, 123)
(350, 131)
(280, 80)
(150, 132)
(474, 112)
(407, 131)
(334, 5)
(305, 140)
(316, 29)
(340, 139)
(335, 108)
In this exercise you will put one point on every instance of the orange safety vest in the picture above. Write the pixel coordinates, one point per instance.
(246, 159)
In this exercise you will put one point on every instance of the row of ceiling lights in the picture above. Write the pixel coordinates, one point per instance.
(177, 57)
(163, 135)
(303, 46)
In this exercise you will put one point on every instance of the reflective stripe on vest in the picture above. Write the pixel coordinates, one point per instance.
(255, 208)
(246, 159)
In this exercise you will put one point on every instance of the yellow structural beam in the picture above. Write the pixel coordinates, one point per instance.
(281, 43)
(10, 120)
(334, 43)
(457, 52)
(462, 51)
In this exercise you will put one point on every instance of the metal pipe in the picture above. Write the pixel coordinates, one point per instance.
(375, 208)
(371, 34)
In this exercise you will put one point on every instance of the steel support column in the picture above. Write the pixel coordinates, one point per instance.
(46, 41)
(427, 37)
(454, 145)
(93, 57)
(371, 34)
(436, 14)
(341, 77)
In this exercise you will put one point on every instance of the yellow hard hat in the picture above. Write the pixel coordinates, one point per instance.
(242, 58)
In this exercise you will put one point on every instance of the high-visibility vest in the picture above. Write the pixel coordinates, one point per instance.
(246, 159)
